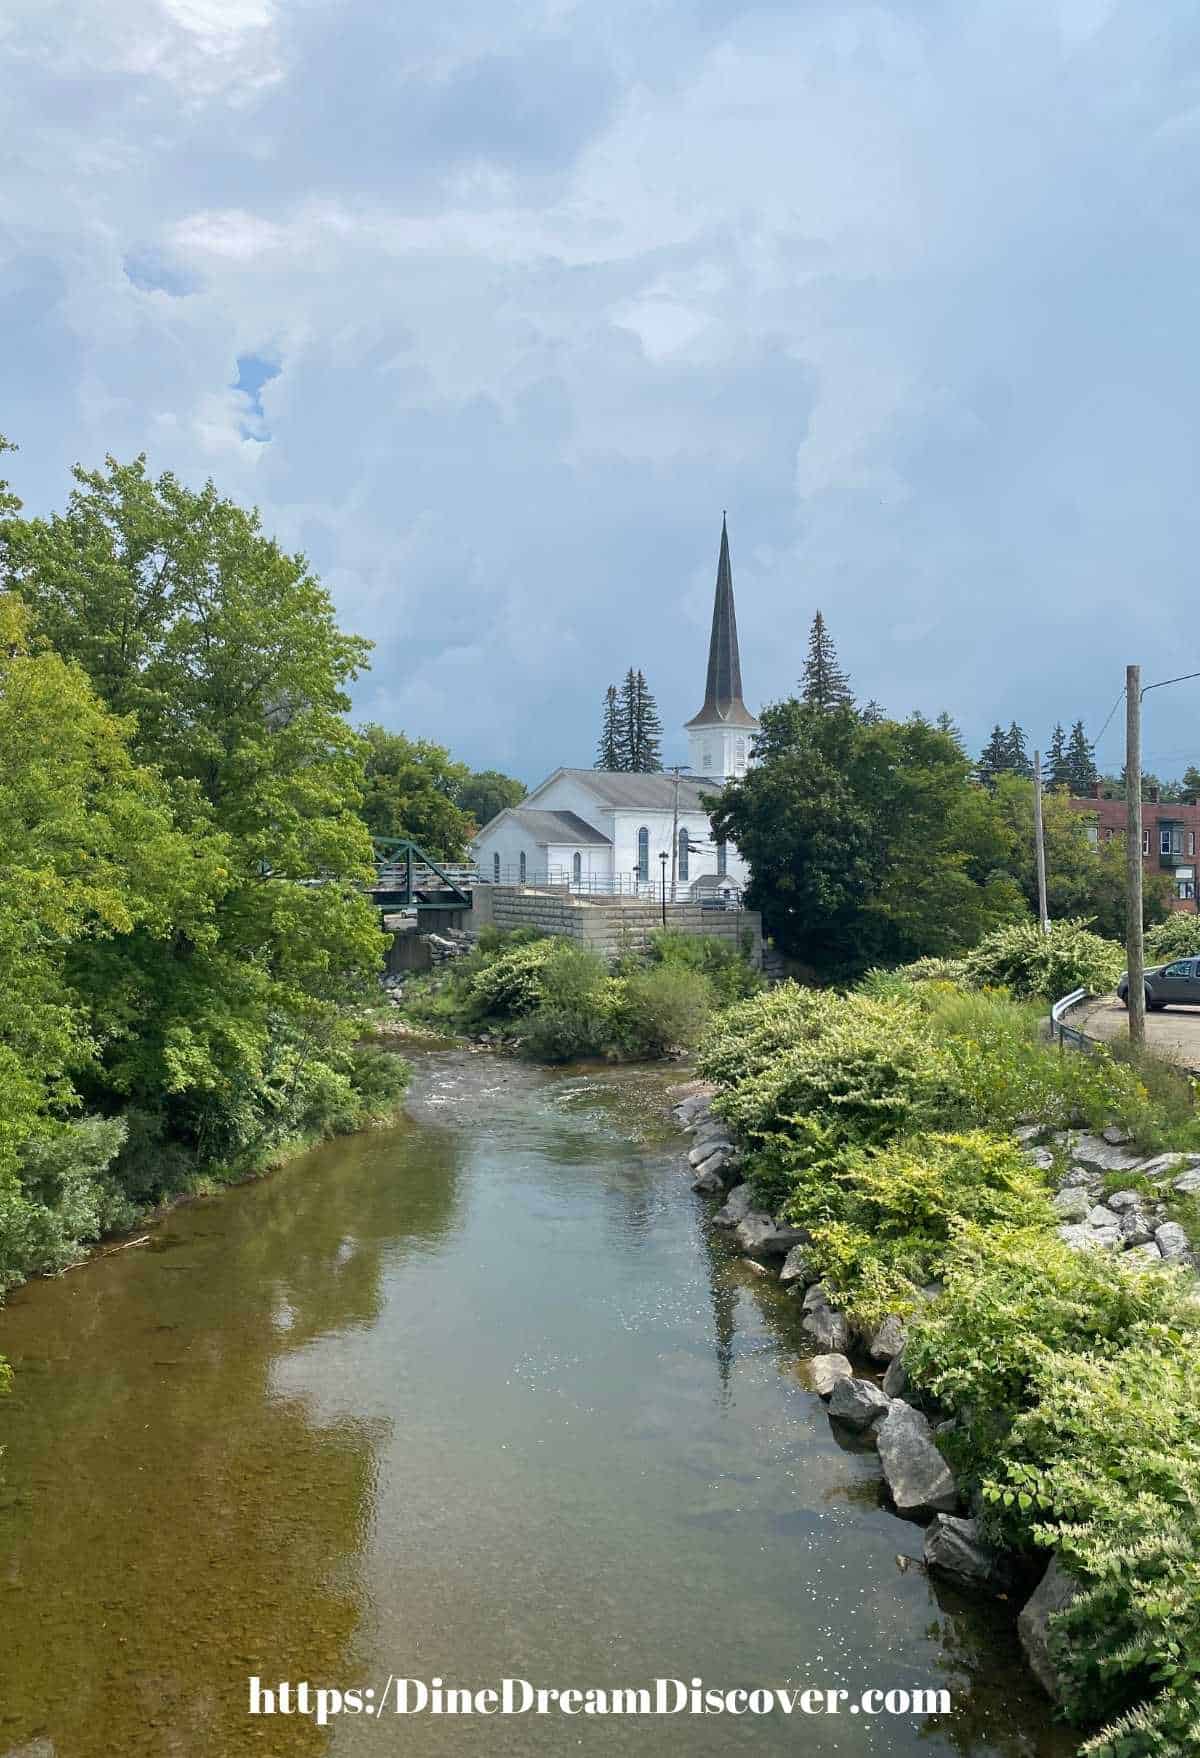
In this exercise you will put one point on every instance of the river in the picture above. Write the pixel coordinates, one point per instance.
(478, 1395)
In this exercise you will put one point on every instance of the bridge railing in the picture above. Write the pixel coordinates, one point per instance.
(628, 885)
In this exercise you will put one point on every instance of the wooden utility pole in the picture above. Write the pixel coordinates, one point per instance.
(677, 770)
(1134, 950)
(1040, 843)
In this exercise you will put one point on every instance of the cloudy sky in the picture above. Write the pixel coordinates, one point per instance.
(492, 308)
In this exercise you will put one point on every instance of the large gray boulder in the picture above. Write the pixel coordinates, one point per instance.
(1072, 1203)
(888, 1340)
(1135, 1228)
(735, 1207)
(764, 1237)
(708, 1180)
(1107, 1156)
(895, 1380)
(1121, 1201)
(817, 1295)
(1172, 1241)
(919, 1479)
(797, 1267)
(1147, 1254)
(954, 1548)
(829, 1330)
(1054, 1593)
(711, 1144)
(1188, 1185)
(857, 1403)
(825, 1371)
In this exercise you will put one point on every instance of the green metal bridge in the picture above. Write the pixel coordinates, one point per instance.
(407, 878)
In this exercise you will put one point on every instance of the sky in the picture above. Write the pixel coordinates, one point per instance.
(492, 309)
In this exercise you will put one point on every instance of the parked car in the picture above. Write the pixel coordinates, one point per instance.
(1168, 985)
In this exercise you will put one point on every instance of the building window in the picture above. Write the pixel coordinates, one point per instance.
(643, 866)
(1185, 890)
(683, 854)
(1191, 842)
(722, 860)
(1177, 841)
(741, 753)
(577, 867)
(707, 756)
(522, 866)
(496, 868)
(1093, 835)
(1145, 842)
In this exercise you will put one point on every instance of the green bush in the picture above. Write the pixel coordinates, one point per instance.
(576, 1004)
(665, 1007)
(1031, 962)
(726, 966)
(61, 1198)
(509, 984)
(899, 1210)
(1177, 937)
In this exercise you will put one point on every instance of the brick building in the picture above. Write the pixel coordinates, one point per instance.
(1170, 835)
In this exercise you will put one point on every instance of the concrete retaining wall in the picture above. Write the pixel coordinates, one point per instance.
(611, 926)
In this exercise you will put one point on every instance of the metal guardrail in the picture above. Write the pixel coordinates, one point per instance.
(612, 885)
(1064, 1033)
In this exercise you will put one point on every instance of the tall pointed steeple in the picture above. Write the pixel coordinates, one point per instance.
(723, 705)
(718, 735)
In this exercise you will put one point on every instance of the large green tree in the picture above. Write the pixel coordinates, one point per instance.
(488, 792)
(221, 652)
(612, 748)
(855, 835)
(414, 789)
(824, 685)
(640, 724)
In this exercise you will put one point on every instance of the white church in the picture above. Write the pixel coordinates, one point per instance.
(606, 831)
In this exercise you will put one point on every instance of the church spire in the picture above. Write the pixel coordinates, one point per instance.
(723, 705)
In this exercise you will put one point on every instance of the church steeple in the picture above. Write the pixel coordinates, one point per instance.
(717, 736)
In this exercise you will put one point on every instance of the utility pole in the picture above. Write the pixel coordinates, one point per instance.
(1040, 843)
(676, 770)
(1134, 950)
(663, 858)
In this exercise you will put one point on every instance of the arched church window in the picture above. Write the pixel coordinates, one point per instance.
(707, 756)
(643, 866)
(496, 868)
(722, 860)
(683, 854)
(741, 753)
(577, 867)
(522, 866)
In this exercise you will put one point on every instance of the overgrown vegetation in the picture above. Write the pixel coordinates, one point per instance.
(881, 1123)
(185, 949)
(558, 1000)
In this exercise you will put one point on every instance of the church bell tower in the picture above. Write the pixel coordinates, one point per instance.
(719, 736)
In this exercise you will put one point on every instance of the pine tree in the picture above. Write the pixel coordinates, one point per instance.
(1018, 753)
(872, 714)
(825, 684)
(641, 727)
(994, 758)
(649, 747)
(1058, 772)
(1081, 763)
(946, 723)
(1190, 786)
(611, 751)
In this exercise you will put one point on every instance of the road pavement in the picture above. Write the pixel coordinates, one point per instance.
(1174, 1033)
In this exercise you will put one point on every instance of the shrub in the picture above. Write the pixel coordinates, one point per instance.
(1105, 1466)
(900, 1208)
(726, 966)
(61, 1197)
(509, 984)
(1177, 937)
(575, 1011)
(1031, 962)
(1009, 1299)
(665, 1007)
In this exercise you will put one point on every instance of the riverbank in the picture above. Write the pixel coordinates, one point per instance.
(1010, 1319)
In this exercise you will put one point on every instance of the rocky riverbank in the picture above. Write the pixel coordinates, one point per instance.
(862, 1379)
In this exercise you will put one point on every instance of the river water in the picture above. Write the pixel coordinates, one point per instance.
(476, 1396)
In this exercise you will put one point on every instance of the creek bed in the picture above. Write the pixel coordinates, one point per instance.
(476, 1396)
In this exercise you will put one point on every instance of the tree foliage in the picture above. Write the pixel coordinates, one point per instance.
(415, 789)
(824, 685)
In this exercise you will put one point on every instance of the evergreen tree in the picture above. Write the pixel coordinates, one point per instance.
(946, 723)
(641, 727)
(825, 684)
(1058, 772)
(1081, 763)
(612, 751)
(994, 758)
(1190, 786)
(872, 714)
(1018, 753)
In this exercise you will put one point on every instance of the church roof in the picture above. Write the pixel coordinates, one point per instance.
(547, 827)
(723, 703)
(653, 791)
